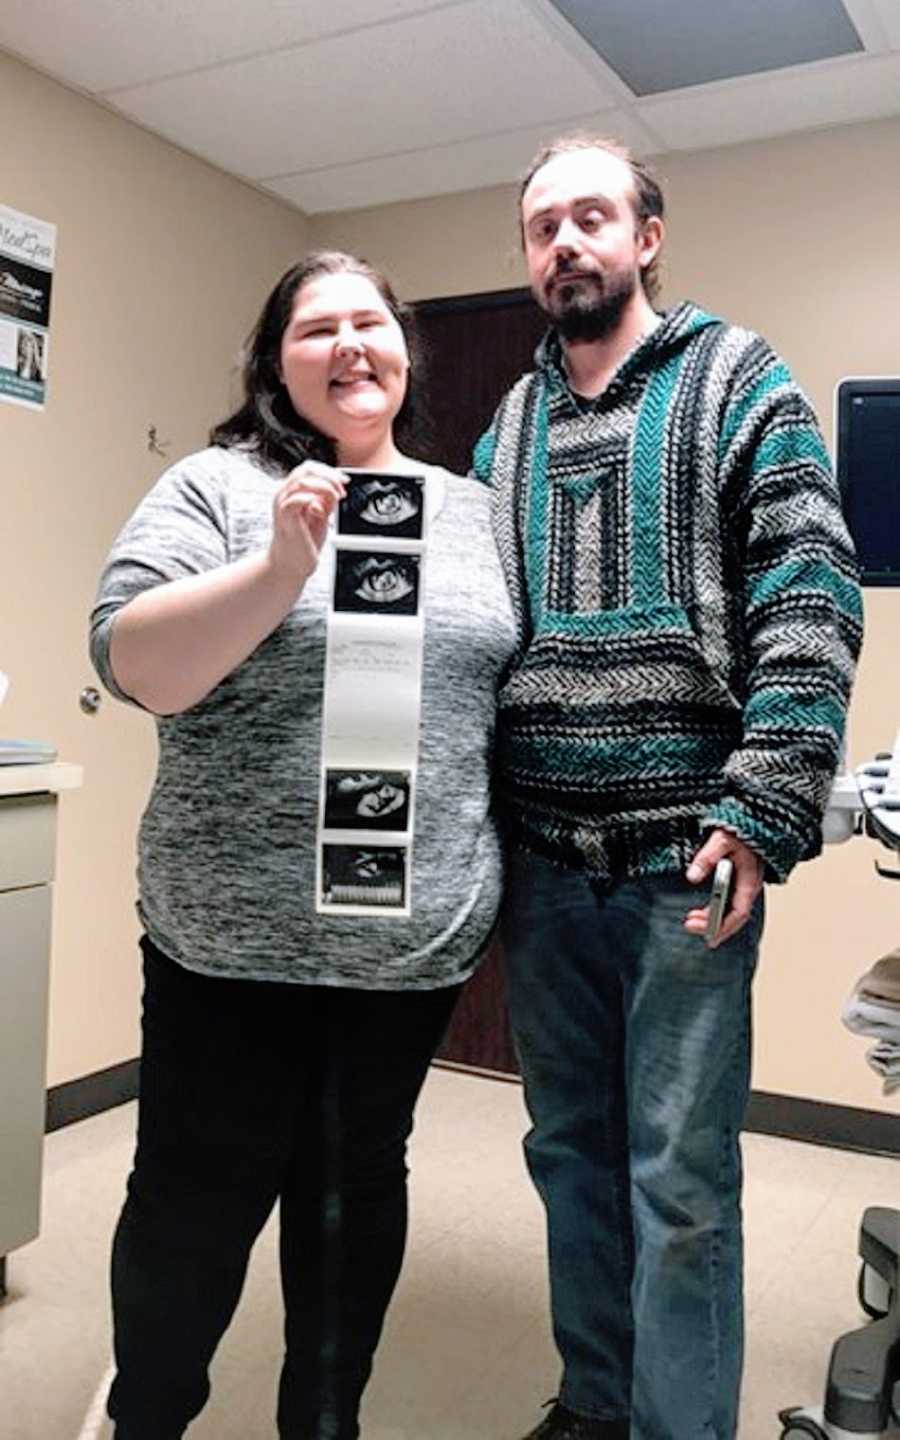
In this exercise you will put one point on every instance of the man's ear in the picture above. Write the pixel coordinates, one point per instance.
(650, 239)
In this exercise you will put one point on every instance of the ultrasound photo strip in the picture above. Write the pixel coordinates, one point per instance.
(390, 507)
(373, 876)
(377, 582)
(367, 800)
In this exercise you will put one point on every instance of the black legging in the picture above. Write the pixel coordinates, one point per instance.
(253, 1092)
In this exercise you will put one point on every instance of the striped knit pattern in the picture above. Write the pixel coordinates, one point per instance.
(688, 601)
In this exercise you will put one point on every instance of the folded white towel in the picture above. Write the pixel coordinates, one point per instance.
(872, 1017)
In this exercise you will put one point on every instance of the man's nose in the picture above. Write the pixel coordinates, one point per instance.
(566, 239)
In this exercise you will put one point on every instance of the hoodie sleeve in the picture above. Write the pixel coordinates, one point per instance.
(803, 617)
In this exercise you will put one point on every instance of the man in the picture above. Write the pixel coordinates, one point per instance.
(673, 542)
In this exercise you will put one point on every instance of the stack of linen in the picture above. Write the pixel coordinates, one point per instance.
(873, 1009)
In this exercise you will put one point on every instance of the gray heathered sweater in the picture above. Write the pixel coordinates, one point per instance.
(227, 843)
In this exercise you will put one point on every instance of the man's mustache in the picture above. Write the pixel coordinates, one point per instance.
(565, 271)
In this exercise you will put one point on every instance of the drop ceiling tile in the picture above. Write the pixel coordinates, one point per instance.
(839, 92)
(888, 12)
(868, 21)
(440, 170)
(101, 44)
(695, 42)
(446, 76)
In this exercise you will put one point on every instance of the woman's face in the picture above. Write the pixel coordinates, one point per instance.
(343, 357)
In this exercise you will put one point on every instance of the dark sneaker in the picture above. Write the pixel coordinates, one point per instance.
(563, 1424)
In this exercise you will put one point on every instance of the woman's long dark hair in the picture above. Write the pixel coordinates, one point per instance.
(267, 420)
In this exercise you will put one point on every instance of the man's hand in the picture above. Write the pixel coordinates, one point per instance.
(748, 881)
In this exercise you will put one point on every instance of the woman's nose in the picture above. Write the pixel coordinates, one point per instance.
(348, 341)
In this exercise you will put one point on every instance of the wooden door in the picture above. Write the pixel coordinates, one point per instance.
(475, 347)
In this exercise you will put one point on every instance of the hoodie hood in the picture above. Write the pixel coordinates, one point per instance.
(676, 329)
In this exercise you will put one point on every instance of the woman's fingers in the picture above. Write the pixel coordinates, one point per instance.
(301, 509)
(314, 477)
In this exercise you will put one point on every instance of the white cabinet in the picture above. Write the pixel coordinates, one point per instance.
(27, 850)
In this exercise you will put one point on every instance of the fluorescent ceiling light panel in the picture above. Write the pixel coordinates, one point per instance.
(661, 45)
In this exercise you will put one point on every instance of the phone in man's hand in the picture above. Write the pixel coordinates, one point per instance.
(719, 900)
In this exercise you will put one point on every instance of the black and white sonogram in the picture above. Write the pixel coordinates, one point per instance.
(377, 583)
(375, 875)
(377, 504)
(367, 800)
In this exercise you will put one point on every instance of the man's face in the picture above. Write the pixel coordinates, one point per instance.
(582, 244)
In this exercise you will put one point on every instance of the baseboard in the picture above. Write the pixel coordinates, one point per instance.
(815, 1122)
(91, 1095)
(481, 1071)
(844, 1127)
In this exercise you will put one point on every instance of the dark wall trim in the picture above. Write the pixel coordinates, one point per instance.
(91, 1095)
(484, 300)
(843, 1127)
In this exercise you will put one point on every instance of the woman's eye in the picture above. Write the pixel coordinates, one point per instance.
(384, 585)
(388, 507)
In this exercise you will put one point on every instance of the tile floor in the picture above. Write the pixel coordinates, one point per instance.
(466, 1353)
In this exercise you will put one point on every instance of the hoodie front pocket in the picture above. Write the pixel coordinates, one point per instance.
(617, 695)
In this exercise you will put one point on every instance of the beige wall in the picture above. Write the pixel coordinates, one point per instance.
(162, 265)
(798, 239)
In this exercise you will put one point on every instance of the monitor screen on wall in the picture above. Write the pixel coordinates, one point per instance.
(867, 433)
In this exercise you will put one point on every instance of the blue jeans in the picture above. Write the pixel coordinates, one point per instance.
(634, 1040)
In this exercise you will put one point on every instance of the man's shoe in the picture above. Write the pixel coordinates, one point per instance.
(563, 1424)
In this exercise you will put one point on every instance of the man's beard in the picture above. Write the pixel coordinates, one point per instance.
(591, 311)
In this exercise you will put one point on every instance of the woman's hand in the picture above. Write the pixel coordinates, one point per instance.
(173, 643)
(301, 510)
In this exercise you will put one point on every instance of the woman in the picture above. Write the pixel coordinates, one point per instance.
(284, 1046)
(29, 364)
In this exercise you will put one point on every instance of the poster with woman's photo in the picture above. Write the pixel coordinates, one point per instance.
(389, 507)
(376, 582)
(367, 800)
(357, 879)
(27, 257)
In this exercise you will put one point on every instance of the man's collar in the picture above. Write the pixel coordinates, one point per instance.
(549, 357)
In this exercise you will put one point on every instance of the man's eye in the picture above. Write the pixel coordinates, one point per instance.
(388, 507)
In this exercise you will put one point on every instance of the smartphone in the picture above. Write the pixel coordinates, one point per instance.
(719, 899)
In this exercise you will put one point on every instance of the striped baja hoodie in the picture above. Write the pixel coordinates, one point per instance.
(688, 601)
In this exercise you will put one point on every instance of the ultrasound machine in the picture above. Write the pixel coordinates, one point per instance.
(862, 1392)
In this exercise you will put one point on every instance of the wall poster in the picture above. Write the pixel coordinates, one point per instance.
(27, 256)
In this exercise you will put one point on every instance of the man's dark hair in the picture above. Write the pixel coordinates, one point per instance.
(648, 197)
(267, 420)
